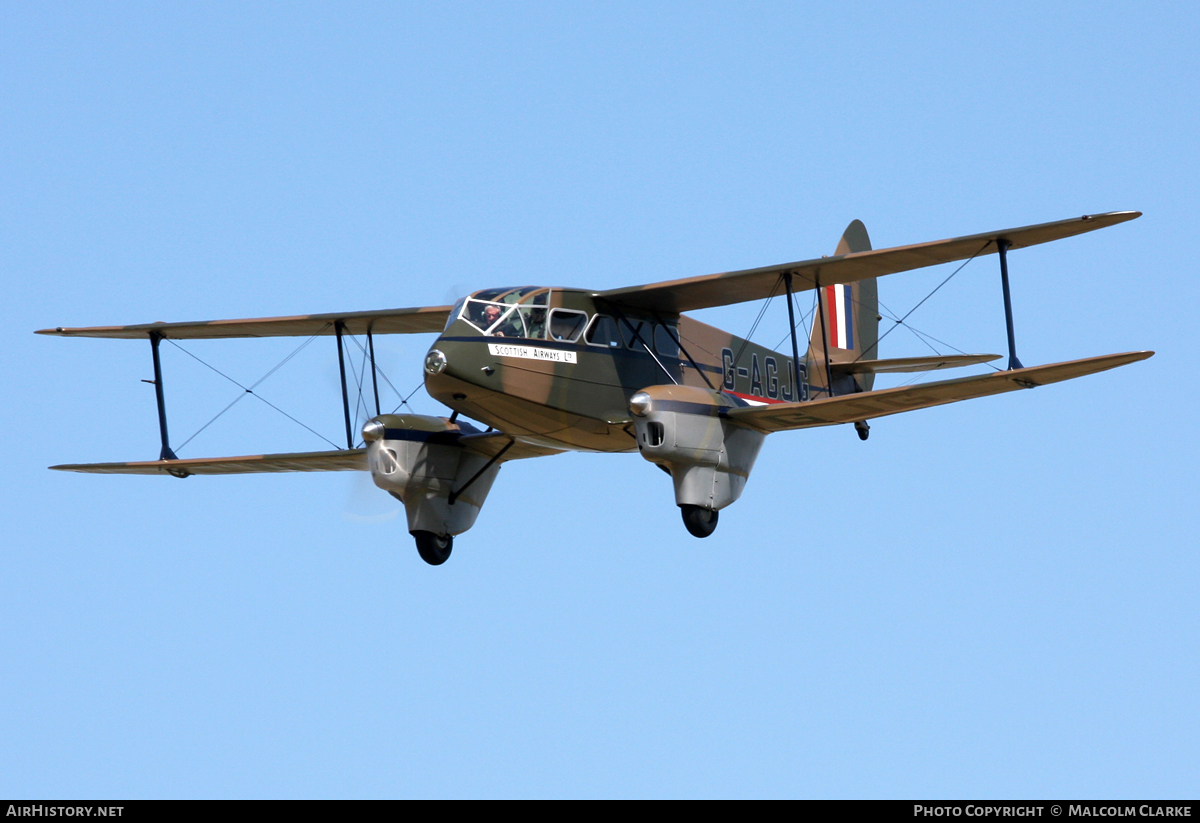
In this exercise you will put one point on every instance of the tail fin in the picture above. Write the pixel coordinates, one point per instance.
(851, 313)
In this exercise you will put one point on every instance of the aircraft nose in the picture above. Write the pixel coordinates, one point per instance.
(453, 368)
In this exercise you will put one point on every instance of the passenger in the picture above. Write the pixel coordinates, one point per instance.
(537, 323)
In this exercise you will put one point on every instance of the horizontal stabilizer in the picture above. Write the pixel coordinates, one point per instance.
(868, 405)
(419, 320)
(759, 284)
(331, 461)
(899, 365)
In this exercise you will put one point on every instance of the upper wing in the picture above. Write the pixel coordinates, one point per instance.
(867, 405)
(757, 284)
(386, 321)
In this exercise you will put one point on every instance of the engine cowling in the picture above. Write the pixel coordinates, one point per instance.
(709, 456)
(420, 461)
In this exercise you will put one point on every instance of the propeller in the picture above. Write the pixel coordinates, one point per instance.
(367, 503)
(453, 292)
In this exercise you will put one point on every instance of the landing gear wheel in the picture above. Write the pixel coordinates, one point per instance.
(699, 521)
(434, 549)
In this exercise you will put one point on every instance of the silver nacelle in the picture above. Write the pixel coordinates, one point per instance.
(420, 460)
(709, 457)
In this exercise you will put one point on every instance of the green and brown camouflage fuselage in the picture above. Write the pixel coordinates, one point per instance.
(567, 385)
(575, 394)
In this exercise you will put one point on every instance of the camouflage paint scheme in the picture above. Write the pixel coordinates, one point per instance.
(572, 394)
(585, 405)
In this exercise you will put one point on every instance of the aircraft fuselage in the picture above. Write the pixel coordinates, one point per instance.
(557, 366)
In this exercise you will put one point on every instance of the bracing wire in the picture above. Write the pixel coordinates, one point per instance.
(359, 380)
(900, 322)
(404, 401)
(386, 379)
(250, 390)
(761, 312)
(924, 337)
(800, 324)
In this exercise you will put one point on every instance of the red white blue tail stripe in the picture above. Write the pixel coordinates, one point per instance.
(841, 316)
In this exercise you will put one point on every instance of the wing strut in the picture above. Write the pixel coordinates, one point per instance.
(374, 377)
(337, 328)
(1002, 246)
(166, 453)
(454, 495)
(787, 280)
(824, 337)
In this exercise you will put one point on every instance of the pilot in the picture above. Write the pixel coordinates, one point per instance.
(491, 314)
(508, 328)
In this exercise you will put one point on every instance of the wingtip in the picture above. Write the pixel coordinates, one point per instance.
(1132, 357)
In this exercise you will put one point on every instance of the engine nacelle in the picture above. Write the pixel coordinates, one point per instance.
(420, 460)
(709, 457)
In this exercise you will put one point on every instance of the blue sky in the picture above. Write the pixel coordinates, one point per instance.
(996, 598)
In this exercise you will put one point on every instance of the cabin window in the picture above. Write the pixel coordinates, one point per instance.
(495, 319)
(632, 340)
(534, 319)
(664, 341)
(509, 312)
(566, 324)
(604, 332)
(455, 312)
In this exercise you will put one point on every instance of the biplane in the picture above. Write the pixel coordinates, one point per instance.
(547, 369)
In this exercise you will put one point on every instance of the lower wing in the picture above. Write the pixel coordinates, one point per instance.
(492, 444)
(342, 460)
(868, 405)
